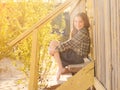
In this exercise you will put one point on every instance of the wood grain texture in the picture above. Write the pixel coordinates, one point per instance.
(98, 85)
(118, 40)
(80, 81)
(34, 65)
(107, 43)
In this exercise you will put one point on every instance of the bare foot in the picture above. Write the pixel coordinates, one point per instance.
(61, 71)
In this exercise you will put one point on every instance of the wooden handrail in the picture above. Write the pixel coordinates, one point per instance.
(41, 22)
(34, 64)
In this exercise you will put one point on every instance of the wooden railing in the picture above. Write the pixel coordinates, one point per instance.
(33, 81)
(42, 22)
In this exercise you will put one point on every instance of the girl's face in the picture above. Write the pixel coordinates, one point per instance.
(78, 22)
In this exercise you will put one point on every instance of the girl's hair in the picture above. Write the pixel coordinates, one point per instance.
(86, 23)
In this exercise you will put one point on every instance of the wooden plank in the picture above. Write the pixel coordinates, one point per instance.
(34, 66)
(107, 44)
(95, 35)
(97, 42)
(101, 46)
(113, 46)
(114, 64)
(100, 43)
(98, 85)
(52, 87)
(77, 67)
(111, 17)
(118, 42)
(80, 81)
(118, 39)
(42, 22)
(98, 47)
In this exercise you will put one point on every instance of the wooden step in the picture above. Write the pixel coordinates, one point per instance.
(53, 84)
(76, 67)
(81, 80)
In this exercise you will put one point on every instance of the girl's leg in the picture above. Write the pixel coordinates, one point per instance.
(52, 46)
(61, 69)
(56, 56)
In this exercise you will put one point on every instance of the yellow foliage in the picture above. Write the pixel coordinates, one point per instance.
(15, 18)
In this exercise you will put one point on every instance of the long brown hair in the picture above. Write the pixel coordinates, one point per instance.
(86, 23)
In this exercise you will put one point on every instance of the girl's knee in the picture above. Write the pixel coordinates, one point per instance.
(54, 43)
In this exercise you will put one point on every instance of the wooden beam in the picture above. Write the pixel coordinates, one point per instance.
(42, 22)
(114, 44)
(80, 81)
(108, 44)
(76, 67)
(95, 35)
(118, 40)
(97, 38)
(34, 65)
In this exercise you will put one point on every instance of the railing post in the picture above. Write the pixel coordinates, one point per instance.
(34, 64)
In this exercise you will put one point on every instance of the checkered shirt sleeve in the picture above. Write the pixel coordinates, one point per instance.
(72, 43)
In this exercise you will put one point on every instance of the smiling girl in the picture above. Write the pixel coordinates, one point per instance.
(75, 49)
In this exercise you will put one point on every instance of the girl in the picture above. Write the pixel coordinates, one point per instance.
(74, 50)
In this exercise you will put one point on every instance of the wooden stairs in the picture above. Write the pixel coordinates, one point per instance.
(82, 80)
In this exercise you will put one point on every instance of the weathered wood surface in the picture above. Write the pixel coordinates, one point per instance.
(108, 50)
(34, 65)
(107, 43)
(98, 85)
(115, 39)
(77, 67)
(81, 80)
(99, 41)
(118, 43)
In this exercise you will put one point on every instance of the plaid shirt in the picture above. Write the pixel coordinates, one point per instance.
(80, 43)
